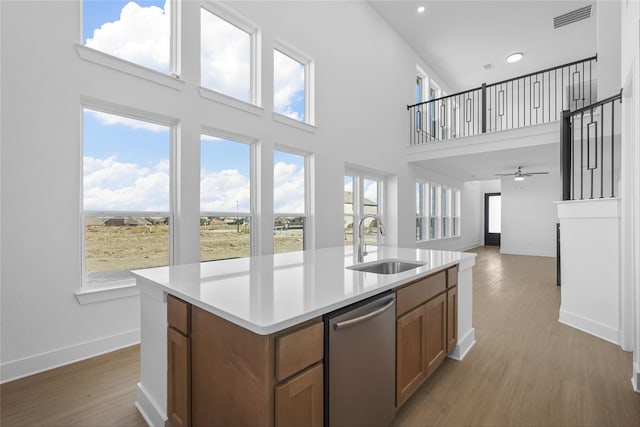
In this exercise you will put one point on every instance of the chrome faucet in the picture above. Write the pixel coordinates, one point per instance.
(362, 246)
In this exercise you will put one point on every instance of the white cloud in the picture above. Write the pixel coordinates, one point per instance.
(288, 192)
(287, 85)
(220, 190)
(371, 190)
(113, 185)
(112, 119)
(225, 59)
(141, 35)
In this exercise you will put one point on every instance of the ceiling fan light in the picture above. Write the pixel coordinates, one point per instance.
(519, 178)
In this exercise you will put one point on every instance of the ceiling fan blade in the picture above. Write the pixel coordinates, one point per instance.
(505, 174)
(536, 173)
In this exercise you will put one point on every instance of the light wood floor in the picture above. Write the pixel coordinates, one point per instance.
(526, 369)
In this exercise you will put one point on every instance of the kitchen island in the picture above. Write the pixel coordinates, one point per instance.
(271, 295)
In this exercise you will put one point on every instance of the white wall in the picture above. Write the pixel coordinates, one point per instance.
(529, 215)
(630, 183)
(364, 76)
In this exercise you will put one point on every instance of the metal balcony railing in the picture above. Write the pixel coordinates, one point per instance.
(590, 153)
(531, 99)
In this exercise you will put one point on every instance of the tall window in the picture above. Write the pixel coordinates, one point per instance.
(225, 199)
(226, 56)
(433, 211)
(362, 195)
(455, 212)
(126, 200)
(138, 31)
(437, 211)
(349, 212)
(289, 202)
(444, 208)
(291, 85)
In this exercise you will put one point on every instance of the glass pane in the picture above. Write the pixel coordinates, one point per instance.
(125, 164)
(495, 214)
(420, 228)
(454, 227)
(370, 230)
(444, 194)
(225, 175)
(288, 86)
(224, 237)
(419, 199)
(288, 183)
(432, 228)
(225, 57)
(348, 195)
(370, 196)
(116, 244)
(433, 200)
(418, 89)
(348, 230)
(445, 229)
(137, 31)
(288, 234)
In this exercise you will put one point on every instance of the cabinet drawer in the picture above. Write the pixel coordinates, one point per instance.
(179, 314)
(299, 401)
(452, 276)
(298, 350)
(420, 291)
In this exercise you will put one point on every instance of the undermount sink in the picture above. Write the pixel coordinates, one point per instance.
(386, 266)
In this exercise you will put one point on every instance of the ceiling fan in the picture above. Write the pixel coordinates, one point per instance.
(519, 174)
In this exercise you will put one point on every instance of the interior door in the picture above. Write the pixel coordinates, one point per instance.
(492, 219)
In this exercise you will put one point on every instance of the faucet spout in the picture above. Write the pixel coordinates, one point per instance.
(362, 246)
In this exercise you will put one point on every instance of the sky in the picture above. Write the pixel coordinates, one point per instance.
(126, 161)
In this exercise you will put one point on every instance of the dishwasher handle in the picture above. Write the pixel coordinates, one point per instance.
(364, 317)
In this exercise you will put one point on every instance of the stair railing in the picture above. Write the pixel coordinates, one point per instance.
(534, 98)
(590, 150)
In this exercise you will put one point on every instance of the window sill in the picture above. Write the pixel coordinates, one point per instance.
(420, 242)
(229, 101)
(124, 66)
(281, 118)
(115, 290)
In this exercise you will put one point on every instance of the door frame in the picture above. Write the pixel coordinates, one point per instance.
(490, 239)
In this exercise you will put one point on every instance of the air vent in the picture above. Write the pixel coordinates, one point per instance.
(571, 17)
(487, 67)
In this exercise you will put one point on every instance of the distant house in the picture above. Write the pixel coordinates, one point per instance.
(94, 222)
(128, 221)
(370, 207)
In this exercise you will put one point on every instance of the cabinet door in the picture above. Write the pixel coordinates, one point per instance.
(299, 401)
(436, 331)
(178, 379)
(452, 318)
(411, 360)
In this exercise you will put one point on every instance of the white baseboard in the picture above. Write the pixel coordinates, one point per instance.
(464, 345)
(589, 326)
(21, 368)
(635, 379)
(149, 408)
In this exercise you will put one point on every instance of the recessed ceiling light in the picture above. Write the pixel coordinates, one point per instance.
(421, 9)
(515, 57)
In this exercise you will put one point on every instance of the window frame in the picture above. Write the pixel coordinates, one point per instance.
(255, 68)
(307, 230)
(309, 85)
(357, 198)
(254, 230)
(433, 216)
(134, 68)
(127, 112)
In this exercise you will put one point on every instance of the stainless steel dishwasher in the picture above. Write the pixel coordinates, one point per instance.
(361, 364)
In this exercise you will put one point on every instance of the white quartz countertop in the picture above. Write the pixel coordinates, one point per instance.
(269, 293)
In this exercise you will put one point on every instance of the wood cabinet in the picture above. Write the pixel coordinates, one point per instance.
(411, 360)
(179, 364)
(222, 374)
(299, 401)
(426, 329)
